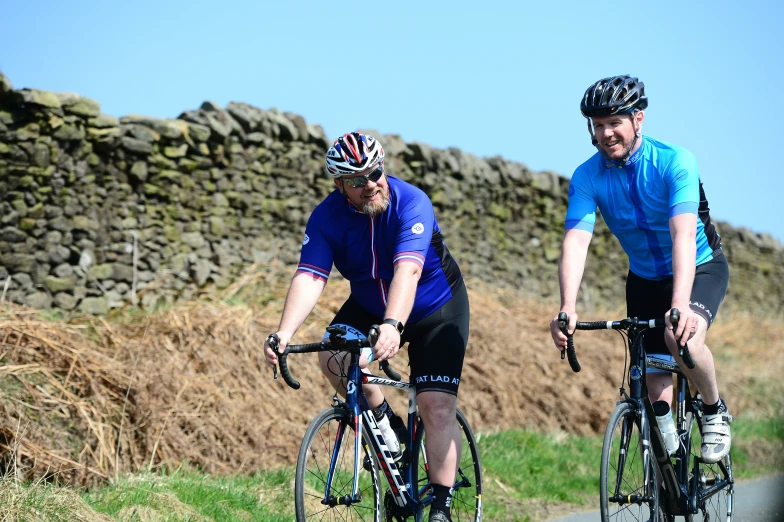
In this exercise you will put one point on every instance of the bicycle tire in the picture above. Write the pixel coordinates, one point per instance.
(313, 468)
(467, 495)
(626, 421)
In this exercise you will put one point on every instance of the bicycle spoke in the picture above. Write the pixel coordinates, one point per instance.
(623, 486)
(326, 433)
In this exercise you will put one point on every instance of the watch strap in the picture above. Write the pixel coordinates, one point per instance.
(397, 324)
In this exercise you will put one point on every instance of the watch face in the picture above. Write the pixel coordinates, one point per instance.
(397, 324)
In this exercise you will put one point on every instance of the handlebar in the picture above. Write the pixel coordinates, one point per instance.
(623, 324)
(336, 343)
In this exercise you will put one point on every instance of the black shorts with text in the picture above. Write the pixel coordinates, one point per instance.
(436, 343)
(649, 299)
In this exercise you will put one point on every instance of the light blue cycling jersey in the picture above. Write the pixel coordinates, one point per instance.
(637, 200)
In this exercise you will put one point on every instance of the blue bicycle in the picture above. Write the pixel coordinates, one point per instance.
(343, 453)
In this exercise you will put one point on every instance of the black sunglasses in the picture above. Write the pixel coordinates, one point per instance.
(361, 181)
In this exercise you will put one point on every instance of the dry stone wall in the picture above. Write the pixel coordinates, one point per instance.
(98, 212)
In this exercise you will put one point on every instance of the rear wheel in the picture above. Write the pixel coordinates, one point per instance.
(467, 490)
(331, 435)
(623, 494)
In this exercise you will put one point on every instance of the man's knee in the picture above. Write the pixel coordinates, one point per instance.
(437, 406)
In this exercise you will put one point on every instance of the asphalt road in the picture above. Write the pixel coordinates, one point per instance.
(755, 501)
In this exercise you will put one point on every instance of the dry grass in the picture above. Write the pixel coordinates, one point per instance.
(42, 503)
(87, 399)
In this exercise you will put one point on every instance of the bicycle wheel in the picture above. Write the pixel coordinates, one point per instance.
(622, 477)
(331, 433)
(467, 492)
(715, 489)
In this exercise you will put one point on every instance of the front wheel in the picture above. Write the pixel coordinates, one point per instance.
(623, 494)
(317, 496)
(467, 489)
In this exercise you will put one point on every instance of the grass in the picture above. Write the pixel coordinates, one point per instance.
(528, 476)
(187, 494)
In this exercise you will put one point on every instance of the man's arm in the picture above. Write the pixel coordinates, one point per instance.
(402, 291)
(302, 297)
(570, 272)
(572, 265)
(683, 229)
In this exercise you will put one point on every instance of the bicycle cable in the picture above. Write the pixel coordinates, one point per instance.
(338, 361)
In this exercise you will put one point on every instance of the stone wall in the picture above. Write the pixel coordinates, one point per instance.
(97, 212)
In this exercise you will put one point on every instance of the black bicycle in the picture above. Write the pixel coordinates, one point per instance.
(343, 452)
(639, 479)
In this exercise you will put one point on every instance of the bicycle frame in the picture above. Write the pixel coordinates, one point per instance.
(674, 494)
(401, 487)
(679, 494)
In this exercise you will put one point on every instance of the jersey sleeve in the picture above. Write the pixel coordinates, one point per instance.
(581, 212)
(683, 182)
(316, 256)
(415, 230)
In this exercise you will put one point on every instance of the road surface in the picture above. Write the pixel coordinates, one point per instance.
(759, 500)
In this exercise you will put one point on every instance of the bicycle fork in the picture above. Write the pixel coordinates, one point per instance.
(646, 456)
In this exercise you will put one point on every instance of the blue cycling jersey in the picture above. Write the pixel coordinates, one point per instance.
(365, 249)
(637, 200)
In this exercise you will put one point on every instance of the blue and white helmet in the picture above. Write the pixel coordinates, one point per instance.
(352, 153)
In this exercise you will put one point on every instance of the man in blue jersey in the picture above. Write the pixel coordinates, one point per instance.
(651, 197)
(381, 234)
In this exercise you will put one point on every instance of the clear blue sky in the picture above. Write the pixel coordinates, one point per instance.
(488, 77)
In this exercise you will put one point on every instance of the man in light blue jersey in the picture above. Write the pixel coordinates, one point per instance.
(651, 197)
(382, 235)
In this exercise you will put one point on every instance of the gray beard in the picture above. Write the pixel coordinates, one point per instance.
(372, 209)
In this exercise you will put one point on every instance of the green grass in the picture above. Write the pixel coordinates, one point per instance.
(188, 494)
(526, 475)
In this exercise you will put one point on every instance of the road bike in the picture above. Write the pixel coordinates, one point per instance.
(639, 479)
(343, 455)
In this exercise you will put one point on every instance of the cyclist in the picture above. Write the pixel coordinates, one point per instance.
(381, 234)
(651, 197)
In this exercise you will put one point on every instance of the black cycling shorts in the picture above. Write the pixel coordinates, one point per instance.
(649, 299)
(436, 343)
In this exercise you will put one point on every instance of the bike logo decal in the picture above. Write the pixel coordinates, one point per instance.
(636, 373)
(418, 228)
(306, 240)
(351, 387)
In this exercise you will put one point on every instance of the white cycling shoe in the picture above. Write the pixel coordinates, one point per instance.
(716, 437)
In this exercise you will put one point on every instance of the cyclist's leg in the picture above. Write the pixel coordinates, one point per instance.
(710, 284)
(646, 299)
(437, 346)
(703, 375)
(335, 365)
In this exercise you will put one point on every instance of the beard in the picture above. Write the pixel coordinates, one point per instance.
(625, 152)
(374, 208)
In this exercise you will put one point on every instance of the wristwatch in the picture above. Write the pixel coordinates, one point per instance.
(397, 324)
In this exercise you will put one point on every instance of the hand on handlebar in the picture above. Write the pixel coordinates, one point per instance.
(388, 343)
(687, 324)
(559, 337)
(283, 338)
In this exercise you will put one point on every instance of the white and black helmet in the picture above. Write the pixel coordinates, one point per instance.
(352, 153)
